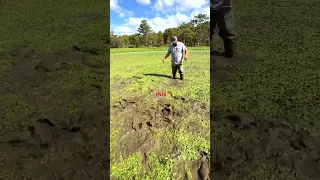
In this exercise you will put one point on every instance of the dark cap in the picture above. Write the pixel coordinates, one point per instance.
(174, 39)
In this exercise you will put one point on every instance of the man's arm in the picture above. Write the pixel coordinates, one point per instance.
(215, 4)
(167, 55)
(186, 52)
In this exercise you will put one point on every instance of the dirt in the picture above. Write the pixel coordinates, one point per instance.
(47, 141)
(247, 147)
(220, 67)
(272, 141)
(139, 126)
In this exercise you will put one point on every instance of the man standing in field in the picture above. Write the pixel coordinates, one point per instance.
(221, 14)
(176, 50)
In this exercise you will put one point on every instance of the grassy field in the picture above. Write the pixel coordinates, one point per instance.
(283, 80)
(275, 81)
(146, 130)
(54, 89)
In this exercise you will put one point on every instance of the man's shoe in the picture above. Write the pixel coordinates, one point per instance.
(226, 55)
(174, 76)
(229, 49)
(215, 53)
(181, 76)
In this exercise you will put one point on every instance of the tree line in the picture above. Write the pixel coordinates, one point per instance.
(194, 33)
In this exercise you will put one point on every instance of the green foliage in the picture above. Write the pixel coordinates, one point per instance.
(164, 49)
(128, 168)
(191, 145)
(160, 168)
(194, 33)
(202, 28)
(144, 28)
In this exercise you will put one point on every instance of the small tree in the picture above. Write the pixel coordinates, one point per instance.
(200, 30)
(144, 29)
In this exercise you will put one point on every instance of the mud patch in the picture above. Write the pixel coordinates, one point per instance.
(222, 69)
(22, 51)
(158, 75)
(55, 128)
(121, 83)
(86, 49)
(71, 138)
(32, 69)
(200, 169)
(248, 142)
(48, 64)
(197, 106)
(177, 82)
(140, 123)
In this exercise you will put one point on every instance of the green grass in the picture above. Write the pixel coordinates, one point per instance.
(47, 27)
(191, 144)
(137, 62)
(283, 81)
(131, 168)
(125, 66)
(51, 26)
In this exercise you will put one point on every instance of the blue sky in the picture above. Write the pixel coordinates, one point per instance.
(126, 15)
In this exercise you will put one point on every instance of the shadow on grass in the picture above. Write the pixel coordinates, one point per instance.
(158, 75)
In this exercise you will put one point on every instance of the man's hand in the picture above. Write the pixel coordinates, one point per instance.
(186, 55)
(164, 58)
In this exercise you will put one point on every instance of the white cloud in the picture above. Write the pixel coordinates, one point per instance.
(191, 4)
(144, 2)
(122, 30)
(122, 15)
(162, 4)
(168, 14)
(157, 24)
(133, 21)
(166, 6)
(204, 10)
(114, 6)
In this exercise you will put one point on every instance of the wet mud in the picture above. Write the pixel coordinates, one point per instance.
(139, 127)
(249, 142)
(48, 139)
(244, 146)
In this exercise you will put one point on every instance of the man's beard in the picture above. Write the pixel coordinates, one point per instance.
(174, 44)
